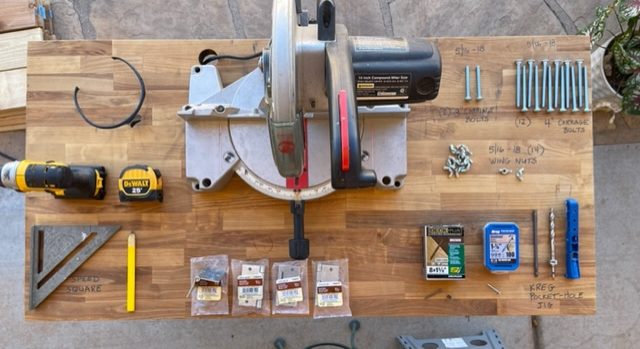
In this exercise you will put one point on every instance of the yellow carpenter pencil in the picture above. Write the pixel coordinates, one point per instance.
(131, 273)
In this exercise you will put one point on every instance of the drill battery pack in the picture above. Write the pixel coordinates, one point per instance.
(140, 183)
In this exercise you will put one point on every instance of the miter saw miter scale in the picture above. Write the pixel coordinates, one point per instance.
(322, 111)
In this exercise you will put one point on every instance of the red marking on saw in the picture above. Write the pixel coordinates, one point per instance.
(286, 147)
(302, 181)
(344, 129)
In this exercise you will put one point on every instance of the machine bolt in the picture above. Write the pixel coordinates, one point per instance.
(536, 92)
(478, 84)
(530, 64)
(579, 62)
(467, 87)
(545, 66)
(556, 66)
(574, 103)
(586, 89)
(549, 91)
(524, 88)
(518, 76)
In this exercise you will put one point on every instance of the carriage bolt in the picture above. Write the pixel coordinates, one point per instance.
(579, 62)
(518, 69)
(535, 93)
(567, 97)
(556, 65)
(563, 78)
(467, 88)
(545, 66)
(574, 103)
(524, 88)
(586, 89)
(478, 84)
(549, 90)
(530, 64)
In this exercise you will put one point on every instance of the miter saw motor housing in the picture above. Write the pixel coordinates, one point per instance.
(322, 111)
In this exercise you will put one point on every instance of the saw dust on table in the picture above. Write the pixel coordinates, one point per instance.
(379, 231)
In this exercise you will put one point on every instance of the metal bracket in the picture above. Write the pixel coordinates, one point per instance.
(488, 339)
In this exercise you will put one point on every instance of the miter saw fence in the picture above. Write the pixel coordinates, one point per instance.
(322, 111)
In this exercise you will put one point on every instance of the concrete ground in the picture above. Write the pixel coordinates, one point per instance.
(617, 195)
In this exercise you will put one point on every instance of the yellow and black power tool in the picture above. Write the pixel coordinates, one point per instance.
(62, 180)
(140, 183)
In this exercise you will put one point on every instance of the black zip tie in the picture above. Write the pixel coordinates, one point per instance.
(130, 120)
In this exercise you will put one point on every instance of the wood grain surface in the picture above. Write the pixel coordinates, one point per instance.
(16, 15)
(13, 119)
(13, 89)
(378, 230)
(13, 48)
(13, 76)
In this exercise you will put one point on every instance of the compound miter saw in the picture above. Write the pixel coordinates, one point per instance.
(323, 111)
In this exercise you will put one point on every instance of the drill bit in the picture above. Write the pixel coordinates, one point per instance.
(552, 235)
(534, 219)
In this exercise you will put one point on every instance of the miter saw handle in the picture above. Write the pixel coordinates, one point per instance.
(346, 163)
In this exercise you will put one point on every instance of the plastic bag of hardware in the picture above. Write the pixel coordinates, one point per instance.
(331, 287)
(290, 287)
(250, 281)
(209, 285)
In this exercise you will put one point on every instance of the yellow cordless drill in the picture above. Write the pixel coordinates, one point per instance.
(61, 180)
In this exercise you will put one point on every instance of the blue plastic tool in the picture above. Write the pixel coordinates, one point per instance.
(571, 239)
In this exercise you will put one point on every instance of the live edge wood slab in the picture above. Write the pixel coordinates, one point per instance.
(378, 230)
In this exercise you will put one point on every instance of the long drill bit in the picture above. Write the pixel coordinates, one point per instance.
(534, 219)
(552, 235)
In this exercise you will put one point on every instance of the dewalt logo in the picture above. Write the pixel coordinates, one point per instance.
(130, 183)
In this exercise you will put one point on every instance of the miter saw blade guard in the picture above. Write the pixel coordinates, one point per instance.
(322, 111)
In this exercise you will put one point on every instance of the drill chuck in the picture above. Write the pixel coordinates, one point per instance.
(8, 175)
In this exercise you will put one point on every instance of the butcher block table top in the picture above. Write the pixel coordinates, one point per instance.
(379, 231)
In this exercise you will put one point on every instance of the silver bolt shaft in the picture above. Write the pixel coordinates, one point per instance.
(586, 89)
(567, 97)
(530, 64)
(478, 84)
(563, 78)
(556, 65)
(518, 73)
(545, 66)
(579, 62)
(467, 88)
(574, 103)
(549, 92)
(536, 91)
(552, 237)
(524, 88)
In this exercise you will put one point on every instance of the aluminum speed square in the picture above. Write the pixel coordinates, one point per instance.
(59, 250)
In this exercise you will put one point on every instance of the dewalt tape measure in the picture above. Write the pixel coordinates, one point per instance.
(140, 183)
